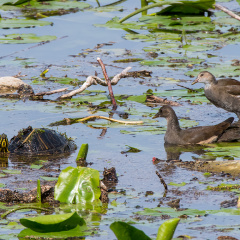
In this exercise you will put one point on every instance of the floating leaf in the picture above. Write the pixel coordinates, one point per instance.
(12, 171)
(36, 166)
(228, 69)
(159, 211)
(21, 23)
(65, 80)
(52, 5)
(25, 38)
(184, 94)
(53, 223)
(49, 178)
(223, 149)
(172, 62)
(185, 123)
(177, 184)
(78, 231)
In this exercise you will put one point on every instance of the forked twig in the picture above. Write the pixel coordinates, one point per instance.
(93, 80)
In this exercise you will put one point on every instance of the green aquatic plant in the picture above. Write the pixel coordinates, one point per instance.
(125, 231)
(176, 7)
(78, 185)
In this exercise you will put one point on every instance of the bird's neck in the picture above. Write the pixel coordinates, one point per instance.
(213, 80)
(173, 123)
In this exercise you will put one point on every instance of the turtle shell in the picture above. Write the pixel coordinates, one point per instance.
(40, 141)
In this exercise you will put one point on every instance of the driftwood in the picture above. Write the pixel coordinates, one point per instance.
(51, 92)
(110, 119)
(94, 80)
(154, 99)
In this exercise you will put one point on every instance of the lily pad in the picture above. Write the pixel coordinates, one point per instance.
(12, 171)
(64, 80)
(49, 178)
(223, 150)
(228, 69)
(184, 94)
(25, 38)
(147, 130)
(78, 231)
(51, 5)
(172, 62)
(22, 23)
(187, 23)
(36, 166)
(177, 184)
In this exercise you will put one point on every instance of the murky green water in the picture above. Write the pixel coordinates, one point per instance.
(71, 54)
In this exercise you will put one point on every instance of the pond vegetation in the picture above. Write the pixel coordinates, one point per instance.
(56, 44)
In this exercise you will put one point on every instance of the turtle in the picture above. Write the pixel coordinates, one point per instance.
(37, 141)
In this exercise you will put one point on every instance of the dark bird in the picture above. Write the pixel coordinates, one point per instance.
(195, 135)
(224, 93)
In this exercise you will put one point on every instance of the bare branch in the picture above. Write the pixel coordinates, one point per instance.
(155, 99)
(123, 74)
(108, 83)
(230, 13)
(93, 80)
(51, 92)
(110, 119)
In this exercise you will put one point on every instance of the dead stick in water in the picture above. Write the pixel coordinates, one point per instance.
(191, 89)
(162, 180)
(108, 83)
(110, 119)
(230, 13)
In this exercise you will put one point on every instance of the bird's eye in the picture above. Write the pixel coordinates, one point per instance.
(201, 74)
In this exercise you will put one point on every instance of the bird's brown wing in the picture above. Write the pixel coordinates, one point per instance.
(228, 82)
(233, 89)
(202, 134)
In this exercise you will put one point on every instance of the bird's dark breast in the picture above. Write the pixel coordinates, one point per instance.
(220, 98)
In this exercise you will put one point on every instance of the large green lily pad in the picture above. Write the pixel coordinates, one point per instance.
(184, 94)
(25, 38)
(171, 62)
(51, 5)
(21, 23)
(226, 69)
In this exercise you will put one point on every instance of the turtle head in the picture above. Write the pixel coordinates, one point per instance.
(3, 143)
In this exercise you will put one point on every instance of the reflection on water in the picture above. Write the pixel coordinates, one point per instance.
(174, 152)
